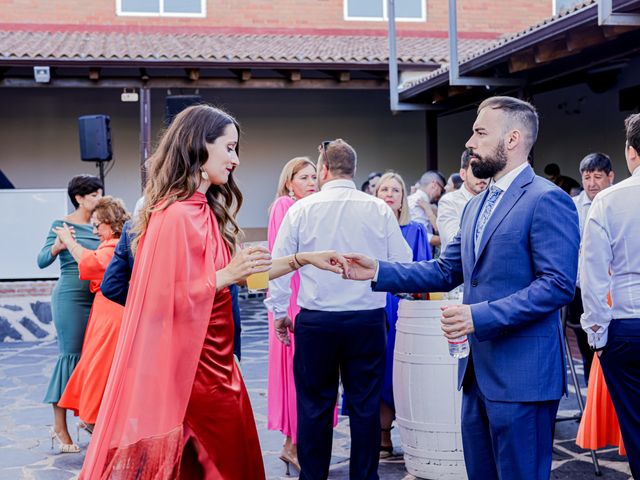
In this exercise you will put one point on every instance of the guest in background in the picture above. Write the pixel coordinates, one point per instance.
(369, 185)
(71, 298)
(612, 264)
(454, 183)
(422, 203)
(85, 388)
(596, 172)
(452, 204)
(552, 172)
(298, 179)
(391, 189)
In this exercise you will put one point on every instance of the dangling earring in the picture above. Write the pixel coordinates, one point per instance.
(205, 175)
(291, 194)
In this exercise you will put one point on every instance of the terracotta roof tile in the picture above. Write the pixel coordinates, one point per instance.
(140, 46)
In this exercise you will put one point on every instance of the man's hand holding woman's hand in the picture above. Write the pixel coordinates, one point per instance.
(361, 267)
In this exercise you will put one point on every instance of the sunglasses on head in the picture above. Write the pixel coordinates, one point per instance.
(323, 149)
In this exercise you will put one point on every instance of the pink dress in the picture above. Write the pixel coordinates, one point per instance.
(281, 389)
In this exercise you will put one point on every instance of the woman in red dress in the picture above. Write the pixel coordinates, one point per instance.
(175, 405)
(84, 391)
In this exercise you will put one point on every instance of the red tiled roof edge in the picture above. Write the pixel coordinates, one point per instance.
(200, 29)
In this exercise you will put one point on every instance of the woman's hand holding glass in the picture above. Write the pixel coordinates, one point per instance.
(248, 261)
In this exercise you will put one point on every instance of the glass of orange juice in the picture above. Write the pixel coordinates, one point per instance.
(257, 282)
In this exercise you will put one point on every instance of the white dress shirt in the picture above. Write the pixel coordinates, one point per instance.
(416, 212)
(341, 218)
(611, 262)
(583, 204)
(505, 182)
(450, 209)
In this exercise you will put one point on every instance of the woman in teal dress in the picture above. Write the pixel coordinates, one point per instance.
(71, 299)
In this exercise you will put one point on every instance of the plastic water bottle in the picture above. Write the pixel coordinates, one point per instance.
(458, 347)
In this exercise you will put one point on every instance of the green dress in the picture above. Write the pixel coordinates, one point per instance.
(71, 303)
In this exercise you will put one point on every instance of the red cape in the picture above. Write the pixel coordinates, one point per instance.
(139, 430)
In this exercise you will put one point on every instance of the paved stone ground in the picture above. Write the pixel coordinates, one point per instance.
(25, 451)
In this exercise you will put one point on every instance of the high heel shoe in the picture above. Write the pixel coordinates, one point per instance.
(289, 459)
(87, 427)
(64, 447)
(386, 450)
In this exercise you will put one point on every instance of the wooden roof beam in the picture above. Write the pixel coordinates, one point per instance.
(552, 50)
(244, 75)
(94, 73)
(341, 76)
(193, 74)
(291, 75)
(585, 38)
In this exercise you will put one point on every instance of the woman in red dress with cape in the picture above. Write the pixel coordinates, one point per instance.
(175, 405)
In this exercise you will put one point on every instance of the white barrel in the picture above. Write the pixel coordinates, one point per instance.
(425, 394)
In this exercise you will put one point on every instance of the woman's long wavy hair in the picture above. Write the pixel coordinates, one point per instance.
(174, 171)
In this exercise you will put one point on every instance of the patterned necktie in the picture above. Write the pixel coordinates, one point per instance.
(490, 202)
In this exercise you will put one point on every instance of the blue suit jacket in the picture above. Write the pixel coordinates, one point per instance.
(115, 283)
(524, 273)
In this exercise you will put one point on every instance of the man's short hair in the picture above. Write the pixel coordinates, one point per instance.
(522, 113)
(341, 158)
(456, 180)
(432, 176)
(465, 159)
(632, 127)
(596, 162)
(552, 169)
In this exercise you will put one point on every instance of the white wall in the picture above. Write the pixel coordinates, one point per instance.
(40, 148)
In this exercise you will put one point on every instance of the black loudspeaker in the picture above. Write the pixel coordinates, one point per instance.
(176, 103)
(95, 138)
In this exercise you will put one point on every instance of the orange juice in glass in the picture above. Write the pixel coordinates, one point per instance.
(257, 282)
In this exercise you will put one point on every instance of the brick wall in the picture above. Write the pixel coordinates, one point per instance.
(26, 289)
(475, 17)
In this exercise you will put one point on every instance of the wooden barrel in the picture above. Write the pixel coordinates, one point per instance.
(426, 398)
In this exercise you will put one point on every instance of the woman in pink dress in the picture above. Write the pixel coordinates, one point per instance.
(297, 180)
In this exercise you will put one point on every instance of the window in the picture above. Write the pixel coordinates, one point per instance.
(561, 5)
(376, 10)
(162, 8)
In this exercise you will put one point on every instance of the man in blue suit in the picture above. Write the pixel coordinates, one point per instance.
(517, 254)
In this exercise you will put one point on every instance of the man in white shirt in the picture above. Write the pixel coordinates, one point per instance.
(340, 329)
(596, 172)
(611, 263)
(452, 204)
(422, 203)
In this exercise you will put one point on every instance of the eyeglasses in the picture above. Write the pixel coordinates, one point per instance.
(97, 225)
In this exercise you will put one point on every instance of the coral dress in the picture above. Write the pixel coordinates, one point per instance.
(599, 425)
(175, 405)
(85, 388)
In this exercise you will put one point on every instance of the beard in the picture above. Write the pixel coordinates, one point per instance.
(488, 166)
